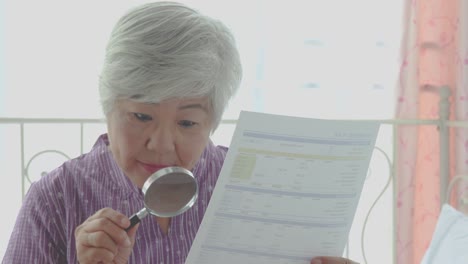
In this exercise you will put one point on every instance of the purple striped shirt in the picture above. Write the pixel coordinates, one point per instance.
(59, 202)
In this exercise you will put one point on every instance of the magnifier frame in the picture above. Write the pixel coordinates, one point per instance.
(163, 172)
(149, 182)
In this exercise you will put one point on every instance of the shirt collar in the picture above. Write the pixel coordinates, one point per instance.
(108, 167)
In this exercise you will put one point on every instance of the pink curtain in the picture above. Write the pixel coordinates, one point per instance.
(434, 54)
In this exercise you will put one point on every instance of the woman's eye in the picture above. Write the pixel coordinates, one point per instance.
(143, 117)
(187, 123)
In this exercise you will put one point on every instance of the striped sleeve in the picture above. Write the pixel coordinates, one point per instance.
(38, 235)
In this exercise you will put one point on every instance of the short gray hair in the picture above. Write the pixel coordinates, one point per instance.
(165, 50)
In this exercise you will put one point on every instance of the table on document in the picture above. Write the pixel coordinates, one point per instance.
(288, 190)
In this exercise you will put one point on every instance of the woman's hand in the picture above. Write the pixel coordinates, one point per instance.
(102, 238)
(331, 260)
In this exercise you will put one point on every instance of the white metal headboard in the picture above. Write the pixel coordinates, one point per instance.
(443, 123)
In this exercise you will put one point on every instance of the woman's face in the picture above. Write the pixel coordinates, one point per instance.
(147, 137)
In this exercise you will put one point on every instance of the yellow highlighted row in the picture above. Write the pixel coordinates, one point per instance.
(298, 155)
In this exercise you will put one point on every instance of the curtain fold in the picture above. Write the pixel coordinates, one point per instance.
(461, 110)
(433, 56)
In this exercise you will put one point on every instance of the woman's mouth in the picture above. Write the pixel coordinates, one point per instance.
(152, 168)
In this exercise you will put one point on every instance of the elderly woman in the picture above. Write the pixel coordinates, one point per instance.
(168, 75)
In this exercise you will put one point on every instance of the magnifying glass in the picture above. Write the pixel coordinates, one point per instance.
(167, 192)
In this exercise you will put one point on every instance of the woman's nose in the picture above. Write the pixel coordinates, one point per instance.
(161, 140)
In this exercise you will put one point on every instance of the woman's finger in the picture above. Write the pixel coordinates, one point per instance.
(109, 213)
(95, 255)
(101, 237)
(109, 228)
(331, 260)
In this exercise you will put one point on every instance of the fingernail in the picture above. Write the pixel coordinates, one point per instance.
(316, 261)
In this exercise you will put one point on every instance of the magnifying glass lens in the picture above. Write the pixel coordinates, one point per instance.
(171, 194)
(168, 192)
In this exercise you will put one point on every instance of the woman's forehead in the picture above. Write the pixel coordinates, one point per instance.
(198, 100)
(189, 102)
(202, 103)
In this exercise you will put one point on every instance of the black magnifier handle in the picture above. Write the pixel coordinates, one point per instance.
(136, 218)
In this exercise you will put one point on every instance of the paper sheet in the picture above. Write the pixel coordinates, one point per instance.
(287, 192)
(450, 239)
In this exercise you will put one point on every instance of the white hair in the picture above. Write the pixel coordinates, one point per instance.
(166, 50)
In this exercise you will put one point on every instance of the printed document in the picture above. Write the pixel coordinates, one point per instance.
(287, 192)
